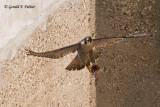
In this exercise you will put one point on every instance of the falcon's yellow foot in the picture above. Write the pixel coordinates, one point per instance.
(89, 68)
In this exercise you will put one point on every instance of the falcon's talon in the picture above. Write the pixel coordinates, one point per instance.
(89, 68)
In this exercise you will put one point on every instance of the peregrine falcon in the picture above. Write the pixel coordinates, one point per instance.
(87, 51)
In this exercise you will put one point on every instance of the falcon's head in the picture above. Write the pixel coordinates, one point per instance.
(86, 40)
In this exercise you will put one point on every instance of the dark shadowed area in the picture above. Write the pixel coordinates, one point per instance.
(131, 77)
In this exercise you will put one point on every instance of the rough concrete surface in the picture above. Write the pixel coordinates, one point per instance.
(131, 68)
(32, 81)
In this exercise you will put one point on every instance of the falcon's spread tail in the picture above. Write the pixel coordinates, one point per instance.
(75, 64)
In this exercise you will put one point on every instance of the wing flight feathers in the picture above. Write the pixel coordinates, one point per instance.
(101, 42)
(55, 53)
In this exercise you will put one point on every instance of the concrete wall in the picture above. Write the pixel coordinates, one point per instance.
(32, 81)
(132, 74)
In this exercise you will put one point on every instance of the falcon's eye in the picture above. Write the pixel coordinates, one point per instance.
(85, 41)
(90, 39)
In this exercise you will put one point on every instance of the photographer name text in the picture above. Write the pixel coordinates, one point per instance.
(18, 6)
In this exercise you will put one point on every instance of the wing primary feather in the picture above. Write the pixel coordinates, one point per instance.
(55, 53)
(106, 40)
(126, 36)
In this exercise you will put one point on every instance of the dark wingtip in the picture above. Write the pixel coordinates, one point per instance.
(28, 51)
(67, 68)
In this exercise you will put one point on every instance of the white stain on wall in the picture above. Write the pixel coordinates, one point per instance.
(18, 20)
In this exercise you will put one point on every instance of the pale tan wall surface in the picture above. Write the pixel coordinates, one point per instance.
(32, 81)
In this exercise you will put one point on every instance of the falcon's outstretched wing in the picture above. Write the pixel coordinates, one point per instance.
(55, 54)
(101, 42)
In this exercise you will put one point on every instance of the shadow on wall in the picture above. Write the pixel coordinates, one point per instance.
(132, 75)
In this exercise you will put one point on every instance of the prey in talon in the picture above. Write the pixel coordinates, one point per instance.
(87, 51)
(95, 70)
